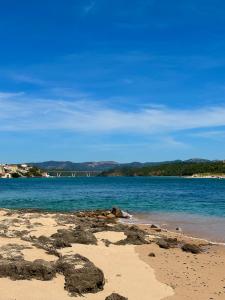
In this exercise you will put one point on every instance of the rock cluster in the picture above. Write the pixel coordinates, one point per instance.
(167, 243)
(22, 269)
(77, 235)
(81, 275)
(133, 238)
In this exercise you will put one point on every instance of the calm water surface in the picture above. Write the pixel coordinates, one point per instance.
(192, 203)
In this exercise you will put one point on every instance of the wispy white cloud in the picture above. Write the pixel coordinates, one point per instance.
(22, 112)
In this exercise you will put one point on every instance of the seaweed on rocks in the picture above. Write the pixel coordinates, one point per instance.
(81, 275)
(77, 235)
(135, 236)
(63, 219)
(44, 243)
(22, 269)
(12, 251)
(61, 243)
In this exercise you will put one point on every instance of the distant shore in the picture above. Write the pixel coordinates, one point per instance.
(209, 176)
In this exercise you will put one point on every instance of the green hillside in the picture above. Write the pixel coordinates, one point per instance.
(170, 169)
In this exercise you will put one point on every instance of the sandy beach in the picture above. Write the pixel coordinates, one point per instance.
(135, 262)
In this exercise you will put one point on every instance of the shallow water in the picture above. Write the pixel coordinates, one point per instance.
(210, 228)
(191, 203)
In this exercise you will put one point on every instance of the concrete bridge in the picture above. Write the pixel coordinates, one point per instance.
(62, 173)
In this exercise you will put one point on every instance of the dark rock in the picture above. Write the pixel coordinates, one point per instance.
(157, 229)
(78, 235)
(45, 243)
(133, 238)
(117, 212)
(163, 244)
(178, 229)
(50, 244)
(151, 254)
(61, 243)
(53, 251)
(115, 296)
(173, 242)
(191, 248)
(81, 275)
(44, 239)
(153, 226)
(21, 270)
(167, 243)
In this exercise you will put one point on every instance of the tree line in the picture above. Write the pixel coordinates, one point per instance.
(169, 169)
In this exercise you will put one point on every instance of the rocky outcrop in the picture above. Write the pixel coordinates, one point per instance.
(81, 275)
(22, 269)
(78, 235)
(135, 236)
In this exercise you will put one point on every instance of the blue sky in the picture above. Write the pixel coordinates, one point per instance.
(116, 80)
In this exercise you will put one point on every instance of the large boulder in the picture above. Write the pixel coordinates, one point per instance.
(115, 296)
(81, 275)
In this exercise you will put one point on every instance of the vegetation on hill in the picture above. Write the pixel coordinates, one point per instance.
(100, 166)
(170, 169)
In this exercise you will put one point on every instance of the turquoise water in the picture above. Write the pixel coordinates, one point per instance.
(135, 194)
(196, 204)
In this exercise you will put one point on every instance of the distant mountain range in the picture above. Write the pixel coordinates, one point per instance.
(104, 165)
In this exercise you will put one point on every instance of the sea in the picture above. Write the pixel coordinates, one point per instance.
(196, 205)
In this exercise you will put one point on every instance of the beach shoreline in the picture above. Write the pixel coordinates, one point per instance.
(138, 262)
(209, 228)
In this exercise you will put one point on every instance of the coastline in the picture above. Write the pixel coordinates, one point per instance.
(127, 265)
(208, 228)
